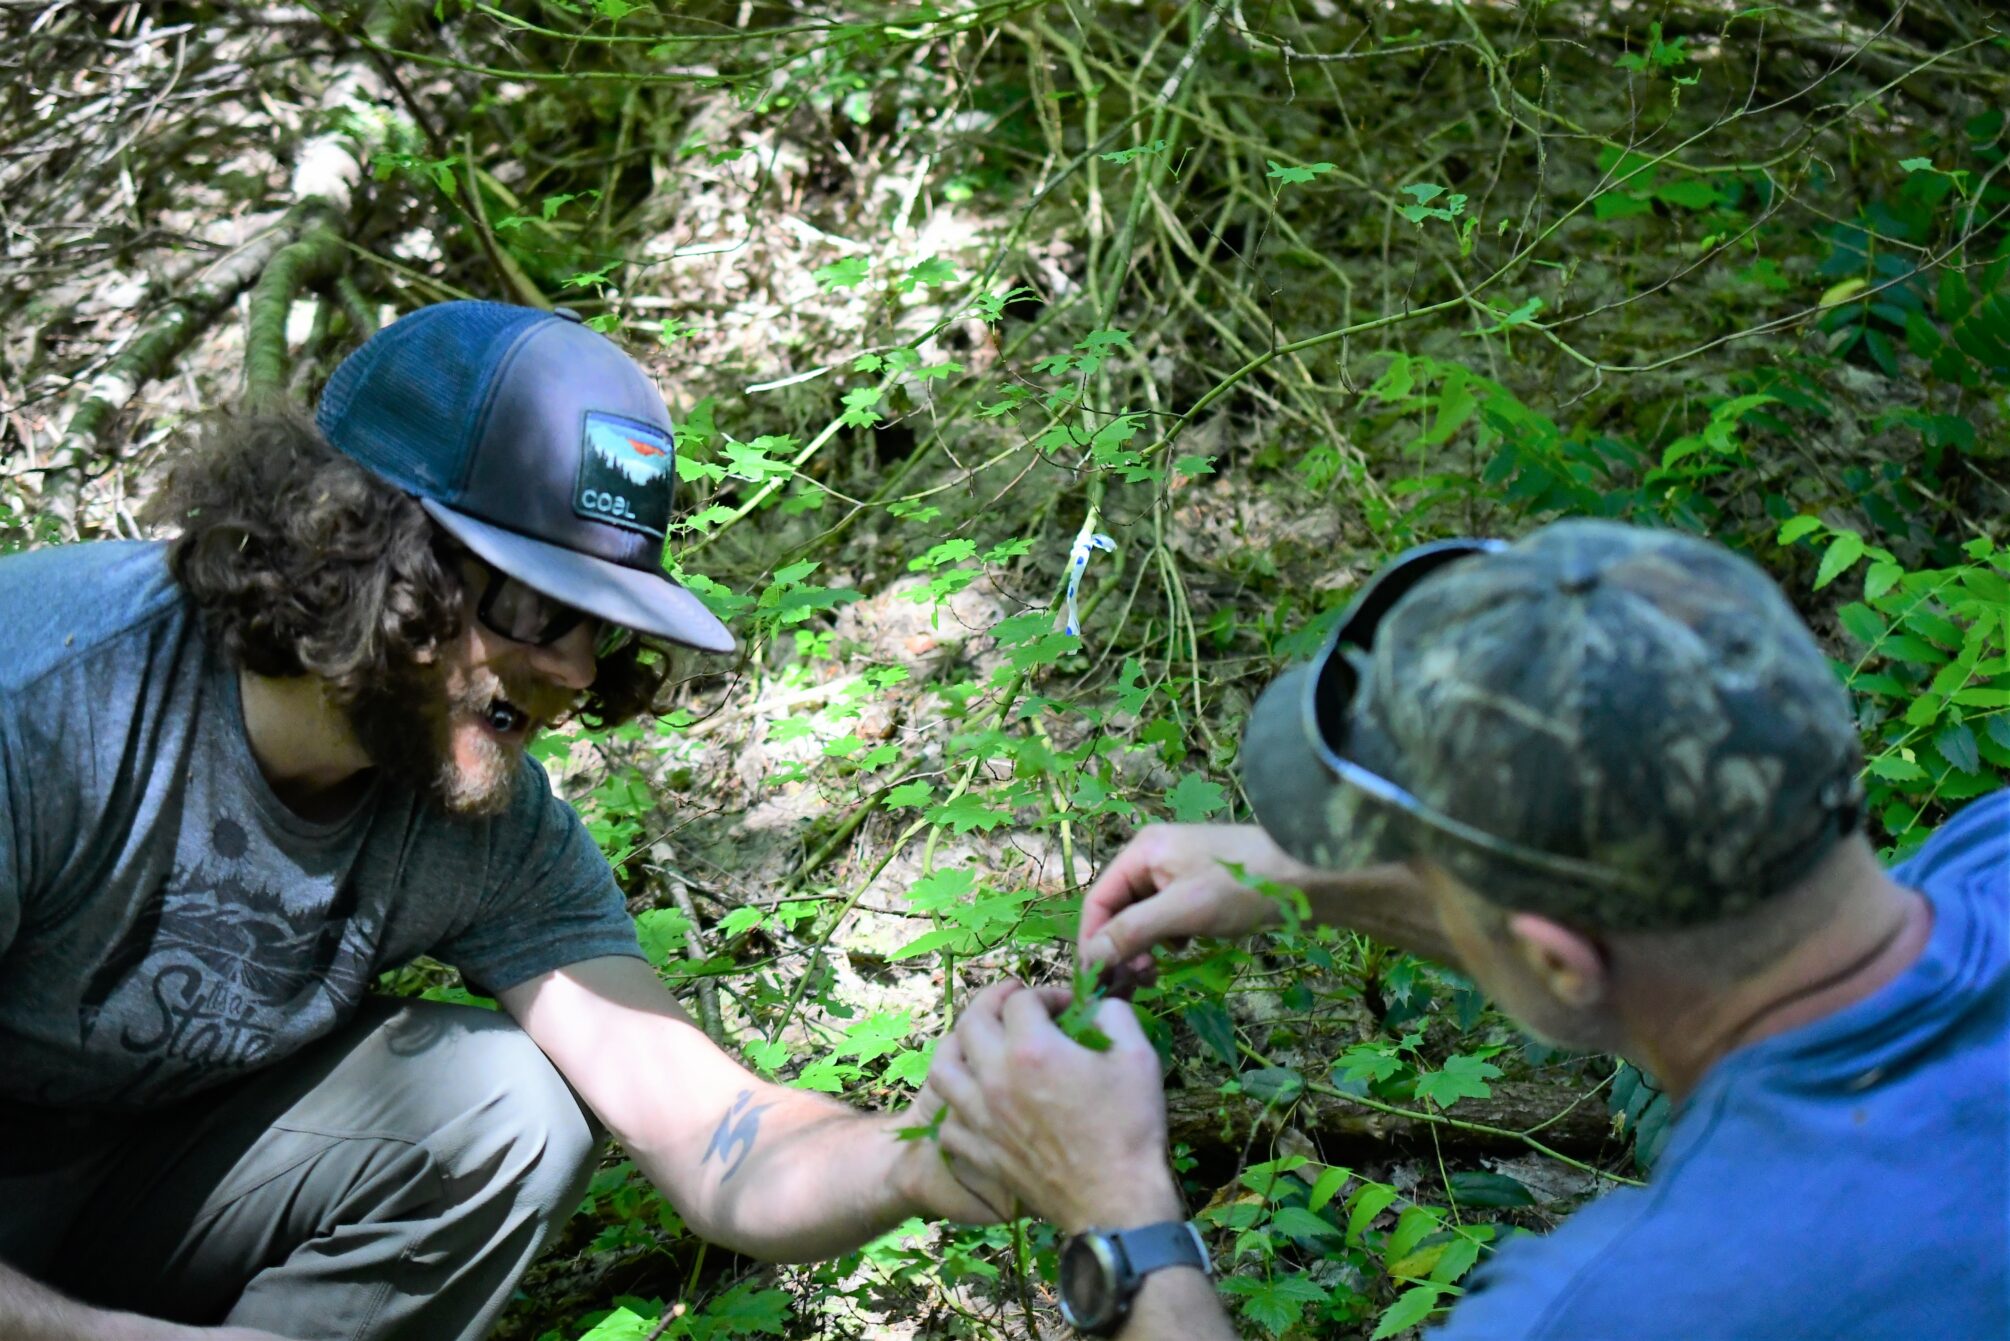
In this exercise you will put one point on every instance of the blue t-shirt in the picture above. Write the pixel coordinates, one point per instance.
(166, 923)
(1847, 1179)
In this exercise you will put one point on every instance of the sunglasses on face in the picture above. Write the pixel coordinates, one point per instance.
(523, 614)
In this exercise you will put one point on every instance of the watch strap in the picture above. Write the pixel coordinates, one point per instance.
(1167, 1243)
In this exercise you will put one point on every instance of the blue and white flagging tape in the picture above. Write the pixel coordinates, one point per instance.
(1078, 560)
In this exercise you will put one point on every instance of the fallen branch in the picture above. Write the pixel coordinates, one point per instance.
(305, 247)
(149, 356)
(315, 258)
(1517, 1116)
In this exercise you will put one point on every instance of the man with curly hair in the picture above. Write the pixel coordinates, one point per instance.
(245, 772)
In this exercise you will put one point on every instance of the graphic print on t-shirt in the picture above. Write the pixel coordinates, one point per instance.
(205, 979)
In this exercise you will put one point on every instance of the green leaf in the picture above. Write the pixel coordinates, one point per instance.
(750, 461)
(1195, 799)
(1370, 1062)
(1916, 164)
(1862, 623)
(948, 552)
(1370, 1201)
(876, 1035)
(1912, 651)
(550, 205)
(1277, 1303)
(932, 271)
(825, 1076)
(746, 1310)
(1925, 710)
(1302, 1224)
(1957, 746)
(1459, 1078)
(942, 889)
(1122, 157)
(848, 273)
(860, 407)
(1690, 193)
(661, 931)
(622, 1324)
(1296, 176)
(1272, 1084)
(1998, 729)
(968, 812)
(1078, 1020)
(1879, 578)
(1046, 650)
(1456, 1260)
(1895, 768)
(1411, 1307)
(910, 1068)
(1413, 1226)
(1796, 527)
(1620, 205)
(1212, 1025)
(1490, 1191)
(1323, 1190)
(769, 1055)
(908, 794)
(954, 939)
(739, 921)
(1844, 550)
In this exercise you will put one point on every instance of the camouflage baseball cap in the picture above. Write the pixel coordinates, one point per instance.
(1622, 728)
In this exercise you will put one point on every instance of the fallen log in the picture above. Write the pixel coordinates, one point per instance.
(1207, 1121)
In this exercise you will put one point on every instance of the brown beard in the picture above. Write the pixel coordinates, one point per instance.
(405, 724)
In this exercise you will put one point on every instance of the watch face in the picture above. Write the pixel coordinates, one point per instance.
(1088, 1282)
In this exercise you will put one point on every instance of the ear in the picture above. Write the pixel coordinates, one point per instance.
(1569, 964)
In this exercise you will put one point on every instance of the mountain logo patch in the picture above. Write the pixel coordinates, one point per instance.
(625, 474)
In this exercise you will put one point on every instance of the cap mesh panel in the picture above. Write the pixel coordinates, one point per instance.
(408, 402)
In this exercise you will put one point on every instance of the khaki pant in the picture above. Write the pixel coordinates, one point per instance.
(390, 1183)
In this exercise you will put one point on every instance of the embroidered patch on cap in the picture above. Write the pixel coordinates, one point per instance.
(625, 475)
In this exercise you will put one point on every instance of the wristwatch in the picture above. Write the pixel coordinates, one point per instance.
(1101, 1270)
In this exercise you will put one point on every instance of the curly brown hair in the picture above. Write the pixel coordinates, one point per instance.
(303, 562)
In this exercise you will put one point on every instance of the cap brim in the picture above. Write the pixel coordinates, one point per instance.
(1311, 814)
(649, 603)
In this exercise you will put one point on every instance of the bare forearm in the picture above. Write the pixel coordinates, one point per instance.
(1384, 902)
(1177, 1305)
(30, 1311)
(791, 1177)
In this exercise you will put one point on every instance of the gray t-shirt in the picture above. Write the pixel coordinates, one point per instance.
(166, 923)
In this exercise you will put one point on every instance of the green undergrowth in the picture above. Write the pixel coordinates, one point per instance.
(1229, 325)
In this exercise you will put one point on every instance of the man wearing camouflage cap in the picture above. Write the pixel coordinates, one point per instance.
(1608, 774)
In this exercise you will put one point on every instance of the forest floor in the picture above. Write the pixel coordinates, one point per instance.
(937, 294)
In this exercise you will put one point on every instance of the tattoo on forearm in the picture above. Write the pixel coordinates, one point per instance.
(734, 1139)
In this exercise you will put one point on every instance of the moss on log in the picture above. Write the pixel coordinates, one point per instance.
(313, 259)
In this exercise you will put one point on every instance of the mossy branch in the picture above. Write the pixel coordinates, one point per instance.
(314, 259)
